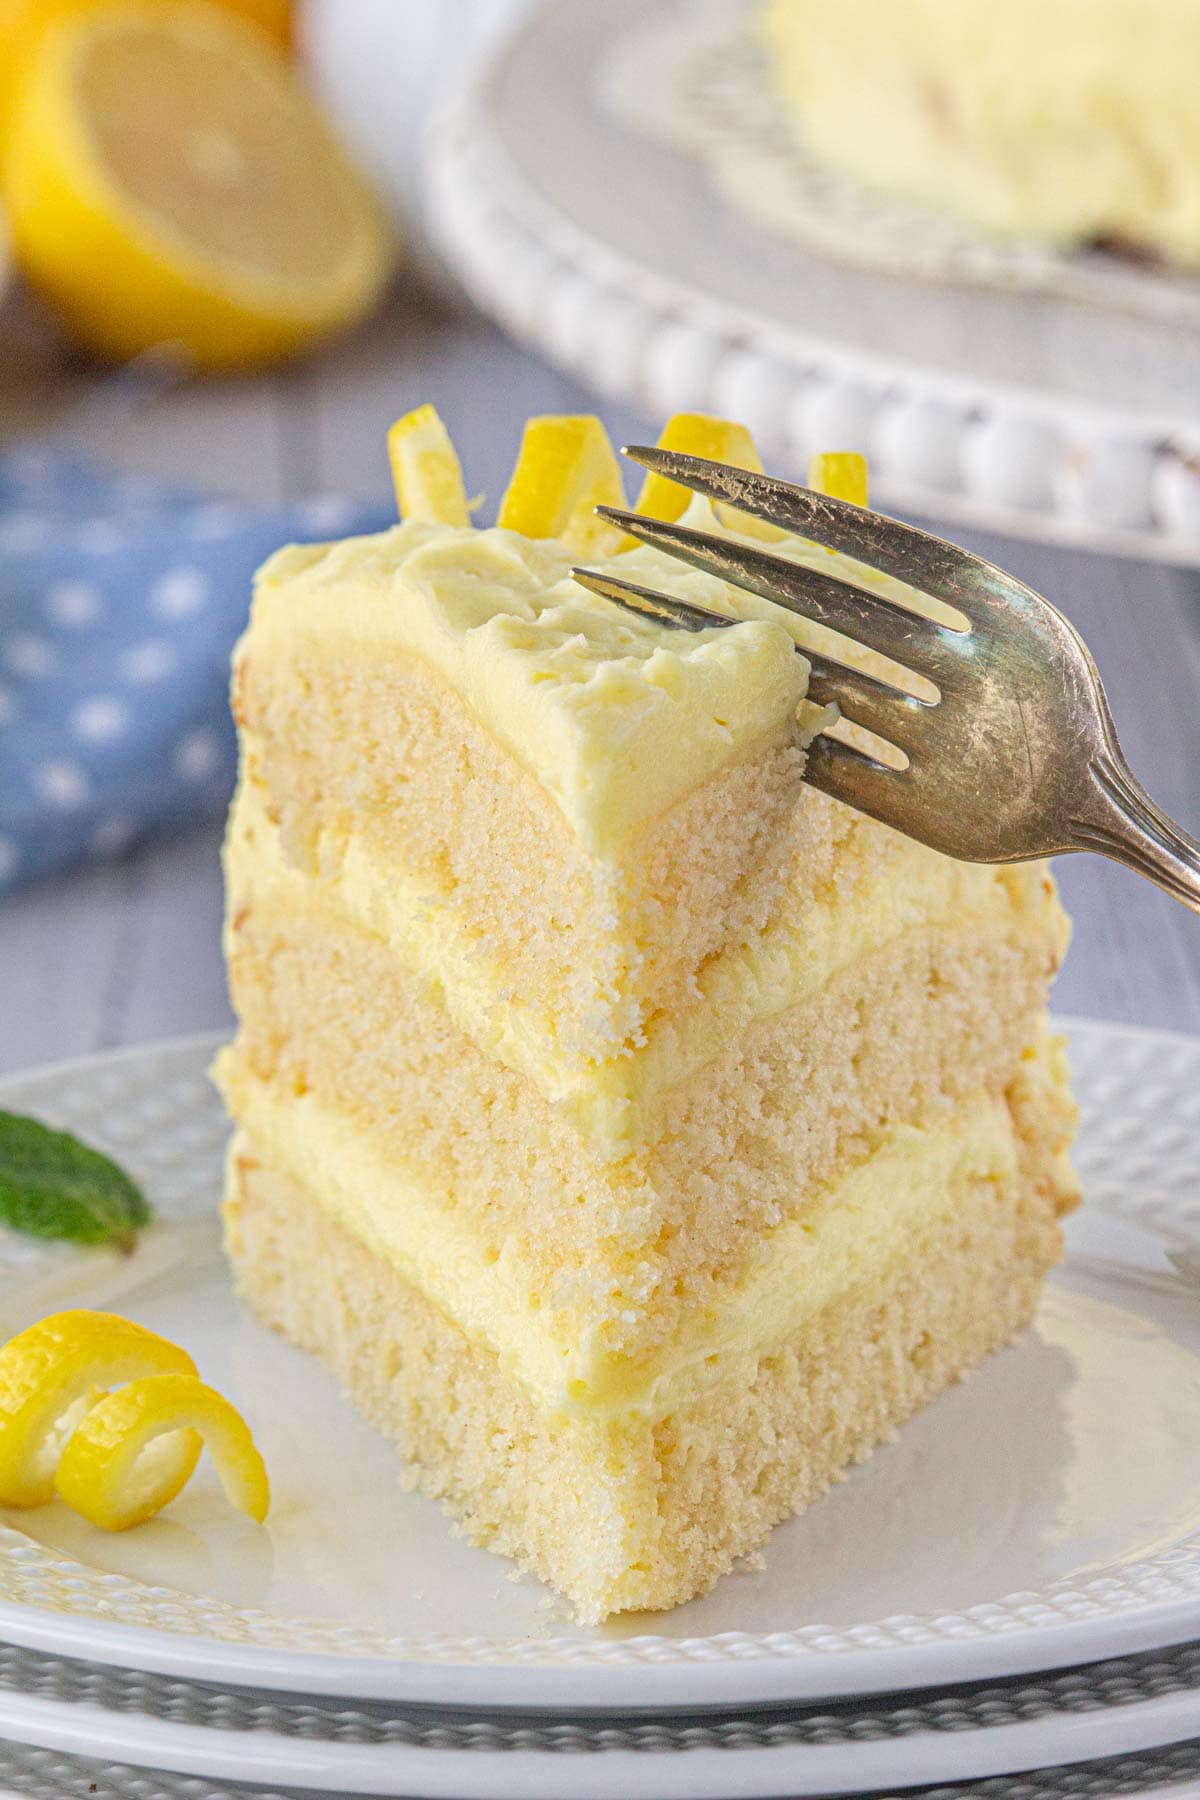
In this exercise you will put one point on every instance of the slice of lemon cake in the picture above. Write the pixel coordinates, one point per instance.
(1062, 120)
(640, 1135)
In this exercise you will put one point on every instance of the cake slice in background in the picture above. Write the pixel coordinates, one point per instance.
(1066, 121)
(640, 1135)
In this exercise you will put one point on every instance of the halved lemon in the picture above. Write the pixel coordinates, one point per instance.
(24, 23)
(169, 182)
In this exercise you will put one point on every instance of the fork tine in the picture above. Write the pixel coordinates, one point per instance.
(858, 780)
(649, 603)
(896, 797)
(876, 704)
(916, 557)
(904, 636)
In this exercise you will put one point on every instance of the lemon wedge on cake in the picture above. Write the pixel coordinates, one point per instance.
(842, 474)
(169, 182)
(718, 440)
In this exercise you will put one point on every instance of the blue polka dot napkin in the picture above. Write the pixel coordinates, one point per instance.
(120, 600)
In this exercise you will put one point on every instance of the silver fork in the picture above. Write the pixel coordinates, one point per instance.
(1016, 758)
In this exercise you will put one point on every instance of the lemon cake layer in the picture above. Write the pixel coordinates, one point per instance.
(566, 1345)
(930, 1256)
(353, 1045)
(1062, 120)
(843, 888)
(614, 717)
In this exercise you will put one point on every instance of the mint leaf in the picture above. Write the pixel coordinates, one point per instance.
(52, 1186)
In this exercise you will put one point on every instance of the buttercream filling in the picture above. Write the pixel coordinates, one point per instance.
(911, 1181)
(610, 1102)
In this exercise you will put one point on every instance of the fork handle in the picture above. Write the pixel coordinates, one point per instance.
(1126, 824)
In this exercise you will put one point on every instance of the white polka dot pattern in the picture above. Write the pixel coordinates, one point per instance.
(23, 531)
(30, 655)
(73, 603)
(179, 592)
(197, 755)
(120, 600)
(148, 662)
(328, 513)
(216, 520)
(61, 783)
(96, 721)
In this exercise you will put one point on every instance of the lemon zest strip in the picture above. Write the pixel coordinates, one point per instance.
(426, 471)
(719, 440)
(129, 1456)
(565, 468)
(50, 1375)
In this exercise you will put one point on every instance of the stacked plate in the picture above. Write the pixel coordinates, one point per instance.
(1005, 1602)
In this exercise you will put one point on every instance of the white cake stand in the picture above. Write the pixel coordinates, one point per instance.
(613, 186)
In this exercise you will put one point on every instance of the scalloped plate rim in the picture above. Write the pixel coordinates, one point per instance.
(1069, 1737)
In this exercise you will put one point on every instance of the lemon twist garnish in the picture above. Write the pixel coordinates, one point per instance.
(130, 1455)
(51, 1374)
(426, 470)
(720, 440)
(566, 467)
(116, 1457)
(842, 474)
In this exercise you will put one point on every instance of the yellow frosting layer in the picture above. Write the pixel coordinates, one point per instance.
(615, 715)
(914, 1175)
(611, 1102)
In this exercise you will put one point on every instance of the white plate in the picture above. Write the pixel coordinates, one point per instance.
(612, 252)
(1106, 1710)
(27, 1774)
(1045, 1512)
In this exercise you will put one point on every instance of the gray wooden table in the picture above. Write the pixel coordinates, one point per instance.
(129, 951)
